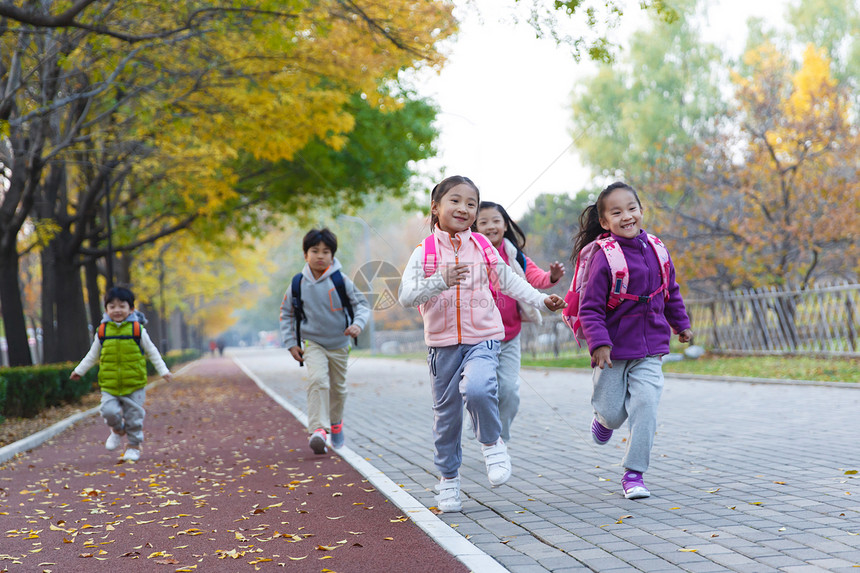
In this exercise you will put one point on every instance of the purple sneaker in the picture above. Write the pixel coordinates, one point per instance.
(634, 487)
(599, 432)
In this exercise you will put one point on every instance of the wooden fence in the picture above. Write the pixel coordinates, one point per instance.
(818, 321)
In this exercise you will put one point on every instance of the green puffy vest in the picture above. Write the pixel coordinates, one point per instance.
(122, 365)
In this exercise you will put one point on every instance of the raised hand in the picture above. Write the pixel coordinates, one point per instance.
(556, 271)
(455, 274)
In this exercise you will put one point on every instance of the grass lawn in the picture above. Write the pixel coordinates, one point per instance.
(786, 367)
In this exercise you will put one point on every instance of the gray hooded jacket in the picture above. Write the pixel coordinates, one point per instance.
(325, 318)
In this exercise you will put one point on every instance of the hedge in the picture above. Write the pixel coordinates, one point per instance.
(27, 390)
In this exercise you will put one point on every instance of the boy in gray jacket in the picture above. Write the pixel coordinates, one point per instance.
(313, 311)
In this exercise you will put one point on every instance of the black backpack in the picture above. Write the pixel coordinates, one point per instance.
(298, 308)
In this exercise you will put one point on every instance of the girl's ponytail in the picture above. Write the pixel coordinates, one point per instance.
(589, 230)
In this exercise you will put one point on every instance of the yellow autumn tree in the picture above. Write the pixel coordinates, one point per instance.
(776, 199)
(205, 281)
(271, 85)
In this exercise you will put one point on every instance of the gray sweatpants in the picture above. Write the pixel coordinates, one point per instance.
(509, 384)
(125, 413)
(630, 390)
(463, 374)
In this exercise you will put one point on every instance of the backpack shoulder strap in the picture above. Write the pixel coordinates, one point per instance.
(340, 287)
(490, 257)
(431, 258)
(521, 259)
(135, 334)
(486, 248)
(298, 309)
(296, 289)
(617, 268)
(662, 256)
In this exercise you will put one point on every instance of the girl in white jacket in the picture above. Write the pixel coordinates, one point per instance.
(506, 236)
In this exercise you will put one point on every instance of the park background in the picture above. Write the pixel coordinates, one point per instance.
(185, 153)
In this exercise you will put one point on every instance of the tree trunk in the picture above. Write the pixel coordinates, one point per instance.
(13, 310)
(50, 339)
(94, 299)
(71, 313)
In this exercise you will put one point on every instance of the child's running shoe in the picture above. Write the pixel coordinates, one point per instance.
(337, 435)
(498, 462)
(114, 441)
(317, 441)
(448, 498)
(131, 454)
(634, 487)
(599, 432)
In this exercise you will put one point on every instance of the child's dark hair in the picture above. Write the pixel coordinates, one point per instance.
(513, 233)
(121, 294)
(316, 236)
(446, 185)
(589, 221)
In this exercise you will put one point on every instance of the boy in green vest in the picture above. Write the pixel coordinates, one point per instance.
(120, 348)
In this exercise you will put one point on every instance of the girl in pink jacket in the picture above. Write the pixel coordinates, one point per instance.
(506, 236)
(451, 277)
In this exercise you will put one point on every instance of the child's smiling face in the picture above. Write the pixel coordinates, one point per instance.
(491, 224)
(118, 310)
(622, 214)
(457, 209)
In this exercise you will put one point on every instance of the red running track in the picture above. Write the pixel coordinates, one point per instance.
(226, 483)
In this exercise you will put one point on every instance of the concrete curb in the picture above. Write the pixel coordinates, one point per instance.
(32, 441)
(439, 531)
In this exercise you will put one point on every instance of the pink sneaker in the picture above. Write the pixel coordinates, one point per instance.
(337, 435)
(318, 441)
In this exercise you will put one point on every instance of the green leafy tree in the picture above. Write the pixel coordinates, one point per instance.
(654, 103)
(550, 224)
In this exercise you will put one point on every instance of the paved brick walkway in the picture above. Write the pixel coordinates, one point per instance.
(745, 477)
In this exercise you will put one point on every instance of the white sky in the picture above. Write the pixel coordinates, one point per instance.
(504, 98)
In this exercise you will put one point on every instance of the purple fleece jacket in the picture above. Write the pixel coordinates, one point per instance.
(634, 329)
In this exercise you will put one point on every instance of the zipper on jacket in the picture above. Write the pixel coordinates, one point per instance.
(457, 297)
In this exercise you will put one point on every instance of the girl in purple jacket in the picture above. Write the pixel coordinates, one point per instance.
(631, 339)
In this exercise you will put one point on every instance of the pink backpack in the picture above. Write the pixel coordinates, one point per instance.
(431, 259)
(618, 288)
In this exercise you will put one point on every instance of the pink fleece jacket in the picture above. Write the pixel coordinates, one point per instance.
(465, 313)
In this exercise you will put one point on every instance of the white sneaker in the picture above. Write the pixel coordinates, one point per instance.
(498, 462)
(113, 441)
(448, 499)
(131, 455)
